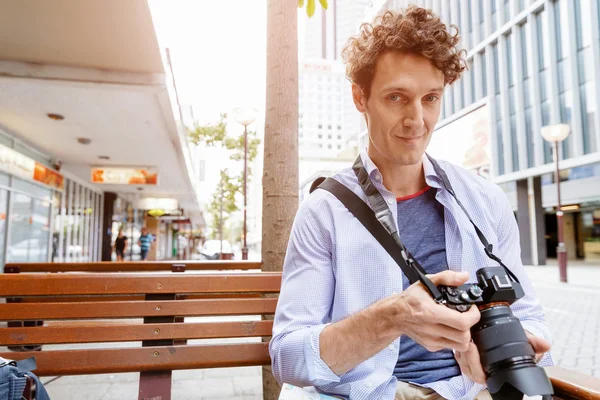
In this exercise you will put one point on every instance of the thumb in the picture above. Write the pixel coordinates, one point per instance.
(449, 278)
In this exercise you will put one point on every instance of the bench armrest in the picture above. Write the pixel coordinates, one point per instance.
(570, 384)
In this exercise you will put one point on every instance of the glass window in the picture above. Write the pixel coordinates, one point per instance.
(506, 10)
(584, 28)
(509, 64)
(498, 107)
(524, 55)
(40, 229)
(511, 100)
(566, 116)
(561, 16)
(494, 16)
(544, 76)
(513, 136)
(20, 239)
(500, 149)
(527, 92)
(585, 65)
(483, 74)
(528, 135)
(32, 189)
(496, 68)
(588, 109)
(546, 121)
(564, 82)
(541, 28)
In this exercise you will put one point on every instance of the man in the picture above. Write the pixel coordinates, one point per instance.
(145, 243)
(348, 322)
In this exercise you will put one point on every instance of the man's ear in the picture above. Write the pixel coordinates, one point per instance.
(360, 100)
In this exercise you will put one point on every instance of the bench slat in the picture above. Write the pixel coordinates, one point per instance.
(134, 266)
(102, 361)
(132, 332)
(132, 309)
(573, 384)
(79, 299)
(16, 285)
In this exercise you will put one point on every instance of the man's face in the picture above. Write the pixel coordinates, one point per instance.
(403, 107)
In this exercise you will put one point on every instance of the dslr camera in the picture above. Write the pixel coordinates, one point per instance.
(506, 355)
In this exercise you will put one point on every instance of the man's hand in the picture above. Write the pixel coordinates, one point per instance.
(470, 363)
(435, 326)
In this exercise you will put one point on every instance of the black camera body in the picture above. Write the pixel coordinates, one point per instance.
(494, 287)
(506, 355)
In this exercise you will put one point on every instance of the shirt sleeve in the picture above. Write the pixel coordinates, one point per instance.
(528, 308)
(305, 300)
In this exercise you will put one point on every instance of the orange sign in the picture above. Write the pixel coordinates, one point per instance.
(124, 176)
(48, 176)
(24, 167)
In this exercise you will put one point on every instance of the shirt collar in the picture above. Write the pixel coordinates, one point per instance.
(431, 177)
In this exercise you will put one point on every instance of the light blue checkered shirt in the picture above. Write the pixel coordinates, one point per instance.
(335, 268)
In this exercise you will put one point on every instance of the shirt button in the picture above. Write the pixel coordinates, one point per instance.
(390, 201)
(378, 177)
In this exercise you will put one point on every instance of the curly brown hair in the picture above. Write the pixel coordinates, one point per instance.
(416, 30)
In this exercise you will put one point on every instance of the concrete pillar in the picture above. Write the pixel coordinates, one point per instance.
(152, 225)
(531, 220)
(107, 217)
(524, 222)
(540, 221)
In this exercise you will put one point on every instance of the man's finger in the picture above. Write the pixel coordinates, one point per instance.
(471, 357)
(457, 320)
(449, 278)
(540, 345)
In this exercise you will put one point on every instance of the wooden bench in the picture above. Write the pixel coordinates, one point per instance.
(165, 296)
(177, 266)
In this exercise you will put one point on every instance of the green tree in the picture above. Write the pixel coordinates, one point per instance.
(225, 199)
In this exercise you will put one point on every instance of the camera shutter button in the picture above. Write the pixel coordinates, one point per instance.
(464, 296)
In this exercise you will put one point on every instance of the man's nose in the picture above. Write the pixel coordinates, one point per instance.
(413, 118)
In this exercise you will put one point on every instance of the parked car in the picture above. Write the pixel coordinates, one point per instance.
(211, 249)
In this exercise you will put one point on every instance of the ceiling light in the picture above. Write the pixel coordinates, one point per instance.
(56, 117)
(84, 140)
(140, 189)
(104, 157)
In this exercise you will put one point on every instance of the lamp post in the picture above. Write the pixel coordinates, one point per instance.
(556, 134)
(245, 116)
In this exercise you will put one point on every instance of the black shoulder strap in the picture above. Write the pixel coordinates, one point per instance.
(487, 247)
(367, 217)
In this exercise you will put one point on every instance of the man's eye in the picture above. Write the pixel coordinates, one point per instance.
(431, 98)
(395, 97)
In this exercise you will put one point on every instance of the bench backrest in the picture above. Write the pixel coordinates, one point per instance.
(133, 266)
(158, 299)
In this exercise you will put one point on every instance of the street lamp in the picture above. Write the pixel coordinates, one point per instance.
(245, 116)
(556, 134)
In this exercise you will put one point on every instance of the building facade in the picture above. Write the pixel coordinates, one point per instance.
(532, 63)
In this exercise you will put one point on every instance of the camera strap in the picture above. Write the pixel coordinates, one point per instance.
(390, 242)
(379, 221)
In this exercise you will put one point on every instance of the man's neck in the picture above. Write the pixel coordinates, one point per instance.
(402, 180)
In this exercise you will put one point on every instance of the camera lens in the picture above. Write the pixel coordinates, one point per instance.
(506, 355)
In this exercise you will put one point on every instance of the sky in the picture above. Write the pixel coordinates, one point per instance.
(218, 52)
